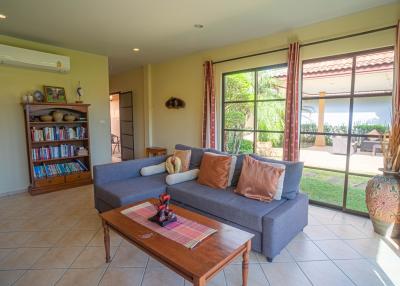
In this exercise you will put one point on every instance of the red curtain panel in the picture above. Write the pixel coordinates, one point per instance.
(208, 132)
(396, 94)
(291, 142)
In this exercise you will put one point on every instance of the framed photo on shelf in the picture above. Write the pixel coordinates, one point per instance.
(54, 94)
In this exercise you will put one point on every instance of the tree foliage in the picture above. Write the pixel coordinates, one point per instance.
(270, 115)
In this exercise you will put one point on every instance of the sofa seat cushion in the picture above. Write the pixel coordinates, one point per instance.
(120, 193)
(223, 203)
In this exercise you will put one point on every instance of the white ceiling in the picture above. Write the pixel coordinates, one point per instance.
(161, 28)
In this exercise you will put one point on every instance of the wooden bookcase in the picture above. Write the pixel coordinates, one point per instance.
(56, 171)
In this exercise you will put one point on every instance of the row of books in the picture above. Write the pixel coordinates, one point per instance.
(49, 170)
(54, 152)
(57, 133)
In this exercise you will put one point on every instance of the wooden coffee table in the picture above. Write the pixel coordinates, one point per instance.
(197, 265)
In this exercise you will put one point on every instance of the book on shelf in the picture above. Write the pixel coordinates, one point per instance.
(54, 152)
(57, 133)
(59, 169)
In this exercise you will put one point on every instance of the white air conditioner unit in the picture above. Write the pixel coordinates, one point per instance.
(33, 59)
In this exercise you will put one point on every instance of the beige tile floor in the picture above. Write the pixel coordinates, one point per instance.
(56, 239)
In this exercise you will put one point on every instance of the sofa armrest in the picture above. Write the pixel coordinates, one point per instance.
(282, 224)
(107, 173)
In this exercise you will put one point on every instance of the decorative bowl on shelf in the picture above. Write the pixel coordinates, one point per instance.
(69, 117)
(58, 116)
(82, 151)
(46, 118)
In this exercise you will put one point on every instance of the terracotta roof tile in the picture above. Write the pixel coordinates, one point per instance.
(363, 61)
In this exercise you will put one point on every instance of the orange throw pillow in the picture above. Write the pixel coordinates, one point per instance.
(184, 155)
(214, 170)
(258, 180)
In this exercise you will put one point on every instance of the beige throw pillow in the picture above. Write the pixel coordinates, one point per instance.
(184, 155)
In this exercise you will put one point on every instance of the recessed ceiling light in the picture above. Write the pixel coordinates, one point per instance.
(136, 50)
(2, 16)
(198, 26)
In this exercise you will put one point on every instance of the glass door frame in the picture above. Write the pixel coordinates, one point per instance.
(255, 129)
(349, 135)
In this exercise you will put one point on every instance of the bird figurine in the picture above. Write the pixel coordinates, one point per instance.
(79, 92)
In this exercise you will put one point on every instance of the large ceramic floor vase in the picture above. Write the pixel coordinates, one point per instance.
(383, 203)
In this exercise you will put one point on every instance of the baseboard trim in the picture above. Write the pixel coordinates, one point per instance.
(16, 192)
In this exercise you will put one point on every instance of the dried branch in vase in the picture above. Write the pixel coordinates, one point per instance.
(387, 159)
(394, 145)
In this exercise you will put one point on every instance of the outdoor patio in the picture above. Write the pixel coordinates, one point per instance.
(327, 186)
(323, 157)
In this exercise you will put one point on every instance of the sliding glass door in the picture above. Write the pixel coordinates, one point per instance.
(346, 108)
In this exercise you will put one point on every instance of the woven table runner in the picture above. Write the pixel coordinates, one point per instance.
(183, 231)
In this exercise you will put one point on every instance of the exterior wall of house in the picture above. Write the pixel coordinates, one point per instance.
(90, 69)
(371, 110)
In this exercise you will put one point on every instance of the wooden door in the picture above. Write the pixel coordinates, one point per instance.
(126, 125)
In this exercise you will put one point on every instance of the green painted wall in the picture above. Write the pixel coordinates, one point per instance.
(183, 77)
(90, 69)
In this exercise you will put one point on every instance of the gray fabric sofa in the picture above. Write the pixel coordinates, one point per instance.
(274, 224)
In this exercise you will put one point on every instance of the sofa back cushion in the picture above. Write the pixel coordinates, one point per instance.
(238, 169)
(216, 151)
(197, 155)
(293, 173)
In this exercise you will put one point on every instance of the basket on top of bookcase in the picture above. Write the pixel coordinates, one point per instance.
(58, 152)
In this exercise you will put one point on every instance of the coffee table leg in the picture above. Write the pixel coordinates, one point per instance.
(245, 263)
(199, 282)
(107, 240)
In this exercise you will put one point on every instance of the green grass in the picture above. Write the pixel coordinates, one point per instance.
(326, 186)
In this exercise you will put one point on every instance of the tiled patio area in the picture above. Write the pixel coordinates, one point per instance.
(56, 239)
(360, 162)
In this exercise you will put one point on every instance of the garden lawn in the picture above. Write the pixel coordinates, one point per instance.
(328, 187)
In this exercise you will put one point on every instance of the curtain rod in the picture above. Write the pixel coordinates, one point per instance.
(309, 44)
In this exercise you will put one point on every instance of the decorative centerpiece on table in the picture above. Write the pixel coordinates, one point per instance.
(164, 214)
(383, 191)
